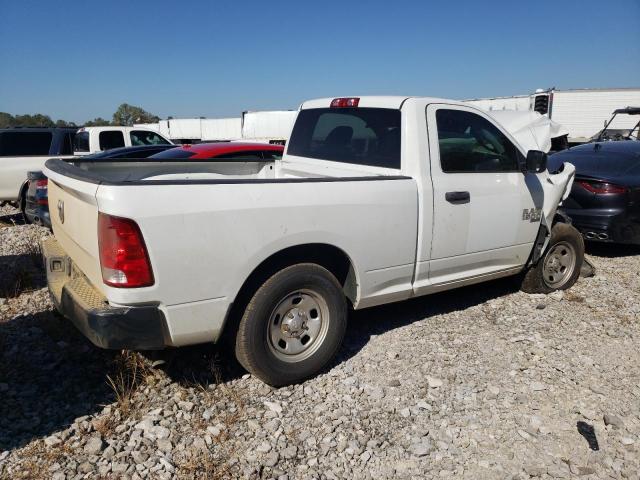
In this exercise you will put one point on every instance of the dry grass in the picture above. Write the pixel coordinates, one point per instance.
(213, 462)
(131, 371)
(203, 463)
(573, 297)
(38, 458)
(21, 275)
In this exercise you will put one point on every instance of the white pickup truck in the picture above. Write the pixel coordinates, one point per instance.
(376, 200)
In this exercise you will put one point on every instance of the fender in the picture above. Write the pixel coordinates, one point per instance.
(556, 188)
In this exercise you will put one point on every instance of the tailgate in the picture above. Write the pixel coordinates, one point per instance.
(74, 219)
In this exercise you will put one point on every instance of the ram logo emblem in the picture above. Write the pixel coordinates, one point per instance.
(532, 214)
(61, 210)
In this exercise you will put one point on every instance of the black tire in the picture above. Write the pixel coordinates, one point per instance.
(254, 347)
(534, 280)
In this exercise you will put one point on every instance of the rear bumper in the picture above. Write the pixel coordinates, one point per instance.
(38, 214)
(106, 326)
(614, 227)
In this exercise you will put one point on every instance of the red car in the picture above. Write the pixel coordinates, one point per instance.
(224, 150)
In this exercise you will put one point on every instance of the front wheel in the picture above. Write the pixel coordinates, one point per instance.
(293, 325)
(559, 267)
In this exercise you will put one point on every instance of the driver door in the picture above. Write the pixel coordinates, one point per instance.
(479, 194)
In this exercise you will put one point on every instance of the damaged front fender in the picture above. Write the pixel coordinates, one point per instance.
(556, 188)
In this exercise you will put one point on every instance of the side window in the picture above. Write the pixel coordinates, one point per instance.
(470, 143)
(25, 143)
(111, 139)
(81, 142)
(145, 137)
(67, 144)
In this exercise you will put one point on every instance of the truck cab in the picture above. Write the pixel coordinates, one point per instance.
(90, 140)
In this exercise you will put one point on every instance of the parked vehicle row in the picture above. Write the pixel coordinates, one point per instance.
(24, 150)
(376, 200)
(37, 201)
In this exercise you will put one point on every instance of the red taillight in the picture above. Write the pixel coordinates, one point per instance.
(601, 187)
(42, 186)
(344, 102)
(123, 254)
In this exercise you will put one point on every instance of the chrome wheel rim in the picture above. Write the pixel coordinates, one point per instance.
(559, 265)
(298, 325)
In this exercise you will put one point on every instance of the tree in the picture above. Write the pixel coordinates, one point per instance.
(6, 120)
(127, 115)
(37, 120)
(64, 123)
(97, 122)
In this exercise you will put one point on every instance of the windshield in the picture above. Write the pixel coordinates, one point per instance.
(362, 136)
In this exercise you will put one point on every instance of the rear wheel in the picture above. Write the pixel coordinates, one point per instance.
(559, 267)
(293, 325)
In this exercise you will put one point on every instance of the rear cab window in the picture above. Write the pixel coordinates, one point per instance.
(111, 139)
(361, 136)
(145, 137)
(25, 143)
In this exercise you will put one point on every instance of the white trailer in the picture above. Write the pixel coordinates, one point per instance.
(193, 130)
(269, 126)
(583, 112)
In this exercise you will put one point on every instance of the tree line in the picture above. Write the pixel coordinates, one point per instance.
(125, 115)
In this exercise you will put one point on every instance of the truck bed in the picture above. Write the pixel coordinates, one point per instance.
(144, 172)
(208, 224)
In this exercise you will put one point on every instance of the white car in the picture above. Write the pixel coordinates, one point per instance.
(376, 200)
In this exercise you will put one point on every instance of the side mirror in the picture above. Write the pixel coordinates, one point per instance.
(536, 161)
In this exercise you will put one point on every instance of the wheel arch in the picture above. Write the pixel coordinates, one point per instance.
(333, 258)
(22, 194)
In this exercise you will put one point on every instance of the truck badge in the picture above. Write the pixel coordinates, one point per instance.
(61, 210)
(532, 214)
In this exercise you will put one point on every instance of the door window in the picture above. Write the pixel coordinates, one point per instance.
(111, 139)
(470, 143)
(145, 137)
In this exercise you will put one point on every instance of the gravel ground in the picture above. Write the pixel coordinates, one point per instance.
(482, 382)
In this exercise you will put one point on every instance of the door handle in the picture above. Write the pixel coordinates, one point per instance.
(457, 197)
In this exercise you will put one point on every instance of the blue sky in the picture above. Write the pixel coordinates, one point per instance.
(80, 59)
